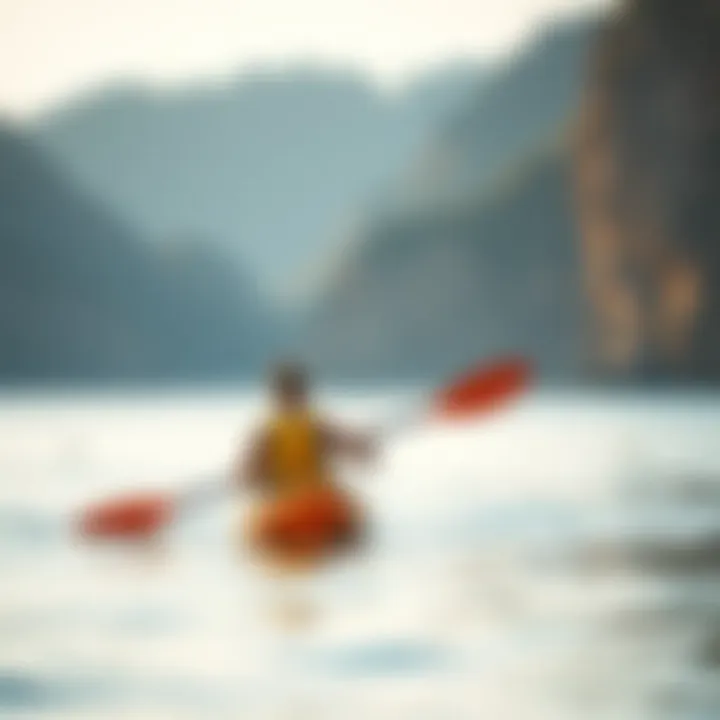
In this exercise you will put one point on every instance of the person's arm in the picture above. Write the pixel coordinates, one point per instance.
(350, 444)
(251, 465)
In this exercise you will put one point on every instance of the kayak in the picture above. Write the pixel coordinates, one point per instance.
(306, 529)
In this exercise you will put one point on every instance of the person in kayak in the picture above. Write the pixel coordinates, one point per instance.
(300, 515)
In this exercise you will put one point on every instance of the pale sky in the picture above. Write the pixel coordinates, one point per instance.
(50, 49)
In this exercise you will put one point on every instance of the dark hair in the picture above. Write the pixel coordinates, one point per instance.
(289, 379)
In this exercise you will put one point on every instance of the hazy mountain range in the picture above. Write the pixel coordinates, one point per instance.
(270, 166)
(148, 235)
(139, 232)
(148, 213)
(82, 297)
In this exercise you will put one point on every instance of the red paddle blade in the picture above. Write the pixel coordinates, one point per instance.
(134, 517)
(482, 389)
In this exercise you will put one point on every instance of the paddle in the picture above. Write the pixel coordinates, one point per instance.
(482, 389)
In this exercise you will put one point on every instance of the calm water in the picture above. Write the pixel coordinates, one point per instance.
(559, 561)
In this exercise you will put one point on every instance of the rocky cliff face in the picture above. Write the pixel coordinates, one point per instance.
(648, 190)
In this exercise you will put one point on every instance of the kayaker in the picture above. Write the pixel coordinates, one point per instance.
(300, 513)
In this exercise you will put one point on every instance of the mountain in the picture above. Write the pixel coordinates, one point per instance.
(524, 100)
(648, 177)
(83, 298)
(476, 249)
(269, 165)
(429, 293)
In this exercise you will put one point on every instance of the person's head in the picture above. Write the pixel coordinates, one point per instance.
(289, 385)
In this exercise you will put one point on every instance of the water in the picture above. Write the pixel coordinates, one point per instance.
(558, 561)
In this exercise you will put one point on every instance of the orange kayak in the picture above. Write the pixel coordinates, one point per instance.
(313, 526)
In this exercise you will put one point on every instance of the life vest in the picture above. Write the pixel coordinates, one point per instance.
(295, 455)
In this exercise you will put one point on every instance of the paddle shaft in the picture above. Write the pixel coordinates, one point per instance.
(482, 390)
(211, 486)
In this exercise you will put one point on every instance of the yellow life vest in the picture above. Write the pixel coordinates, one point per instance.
(295, 456)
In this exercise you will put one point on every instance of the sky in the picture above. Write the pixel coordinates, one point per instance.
(52, 49)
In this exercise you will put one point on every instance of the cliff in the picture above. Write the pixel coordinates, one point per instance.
(648, 187)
